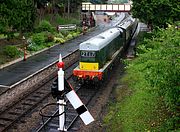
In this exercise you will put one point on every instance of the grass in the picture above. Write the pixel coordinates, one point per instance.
(135, 110)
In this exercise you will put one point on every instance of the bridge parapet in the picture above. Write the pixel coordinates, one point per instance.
(107, 7)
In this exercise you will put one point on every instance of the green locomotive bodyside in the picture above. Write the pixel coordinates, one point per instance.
(99, 54)
(100, 49)
(105, 54)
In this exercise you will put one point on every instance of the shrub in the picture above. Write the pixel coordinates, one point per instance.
(59, 35)
(79, 30)
(49, 44)
(10, 35)
(59, 40)
(38, 38)
(69, 36)
(64, 32)
(44, 26)
(32, 47)
(49, 37)
(11, 51)
(74, 34)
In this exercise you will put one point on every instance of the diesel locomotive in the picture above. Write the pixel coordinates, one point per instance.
(98, 54)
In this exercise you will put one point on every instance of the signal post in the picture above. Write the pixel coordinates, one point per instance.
(61, 88)
(60, 98)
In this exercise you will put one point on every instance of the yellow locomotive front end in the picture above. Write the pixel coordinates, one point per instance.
(88, 66)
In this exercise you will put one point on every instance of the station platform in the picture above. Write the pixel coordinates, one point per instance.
(13, 73)
(16, 72)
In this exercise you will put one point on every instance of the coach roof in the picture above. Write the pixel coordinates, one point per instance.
(98, 42)
(126, 23)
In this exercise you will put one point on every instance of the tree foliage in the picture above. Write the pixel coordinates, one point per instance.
(156, 12)
(17, 15)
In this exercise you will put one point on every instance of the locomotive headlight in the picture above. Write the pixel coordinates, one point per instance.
(94, 67)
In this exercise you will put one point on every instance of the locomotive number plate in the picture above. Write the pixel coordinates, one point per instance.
(88, 54)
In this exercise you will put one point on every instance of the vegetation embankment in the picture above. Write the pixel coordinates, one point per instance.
(151, 101)
(44, 36)
(32, 25)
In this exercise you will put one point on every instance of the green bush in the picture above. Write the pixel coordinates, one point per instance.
(69, 36)
(11, 51)
(10, 35)
(59, 35)
(79, 30)
(49, 44)
(74, 34)
(44, 26)
(59, 40)
(38, 38)
(32, 47)
(160, 56)
(64, 32)
(3, 27)
(49, 37)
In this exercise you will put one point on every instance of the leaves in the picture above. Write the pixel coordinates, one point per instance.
(158, 13)
(18, 14)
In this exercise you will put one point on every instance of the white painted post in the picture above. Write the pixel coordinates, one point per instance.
(61, 102)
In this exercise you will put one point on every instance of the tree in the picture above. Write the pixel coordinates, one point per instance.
(156, 12)
(17, 15)
(70, 6)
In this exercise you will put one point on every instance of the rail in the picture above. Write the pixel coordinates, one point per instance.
(16, 91)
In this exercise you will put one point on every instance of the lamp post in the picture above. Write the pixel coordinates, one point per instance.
(24, 59)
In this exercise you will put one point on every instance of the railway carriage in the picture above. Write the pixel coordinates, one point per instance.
(98, 54)
(128, 26)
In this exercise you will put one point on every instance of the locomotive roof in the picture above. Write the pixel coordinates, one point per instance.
(98, 42)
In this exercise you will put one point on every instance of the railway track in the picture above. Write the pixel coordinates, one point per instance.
(10, 116)
(52, 123)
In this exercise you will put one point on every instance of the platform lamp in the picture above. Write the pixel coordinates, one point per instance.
(24, 43)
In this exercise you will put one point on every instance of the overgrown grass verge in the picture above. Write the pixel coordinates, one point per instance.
(153, 79)
(135, 109)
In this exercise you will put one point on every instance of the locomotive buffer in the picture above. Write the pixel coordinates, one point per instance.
(71, 96)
